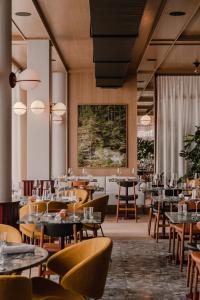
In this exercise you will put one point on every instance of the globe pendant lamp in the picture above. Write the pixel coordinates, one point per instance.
(37, 107)
(27, 79)
(59, 109)
(145, 120)
(19, 108)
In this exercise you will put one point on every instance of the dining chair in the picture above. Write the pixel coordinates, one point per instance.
(13, 235)
(100, 205)
(73, 265)
(80, 183)
(82, 196)
(126, 202)
(15, 287)
(193, 272)
(30, 232)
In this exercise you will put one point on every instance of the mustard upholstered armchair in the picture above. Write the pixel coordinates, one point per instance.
(14, 287)
(81, 194)
(100, 205)
(13, 235)
(83, 267)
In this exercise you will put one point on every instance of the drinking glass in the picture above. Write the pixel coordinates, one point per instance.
(91, 211)
(86, 213)
(3, 239)
(33, 209)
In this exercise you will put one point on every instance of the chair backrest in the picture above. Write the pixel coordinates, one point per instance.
(126, 183)
(100, 205)
(79, 183)
(13, 287)
(13, 235)
(54, 206)
(90, 257)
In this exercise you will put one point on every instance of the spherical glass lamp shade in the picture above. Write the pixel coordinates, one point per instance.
(28, 79)
(145, 120)
(59, 109)
(57, 120)
(37, 107)
(19, 108)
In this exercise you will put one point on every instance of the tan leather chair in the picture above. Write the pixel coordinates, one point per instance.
(73, 264)
(100, 205)
(13, 235)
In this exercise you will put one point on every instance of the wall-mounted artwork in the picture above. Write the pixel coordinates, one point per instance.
(102, 136)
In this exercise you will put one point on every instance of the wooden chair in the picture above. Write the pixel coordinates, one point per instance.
(80, 183)
(126, 202)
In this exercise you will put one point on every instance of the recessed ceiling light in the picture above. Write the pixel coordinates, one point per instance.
(177, 13)
(23, 14)
(53, 59)
(140, 81)
(151, 59)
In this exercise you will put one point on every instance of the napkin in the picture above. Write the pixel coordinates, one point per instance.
(18, 249)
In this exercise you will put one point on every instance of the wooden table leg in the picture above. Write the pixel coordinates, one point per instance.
(75, 233)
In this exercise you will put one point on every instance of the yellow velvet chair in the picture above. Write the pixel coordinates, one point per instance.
(83, 267)
(13, 235)
(30, 230)
(15, 287)
(100, 205)
(81, 194)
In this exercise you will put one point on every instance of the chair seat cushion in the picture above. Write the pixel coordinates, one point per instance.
(42, 288)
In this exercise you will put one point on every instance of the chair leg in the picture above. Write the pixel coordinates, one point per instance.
(135, 212)
(177, 249)
(191, 276)
(154, 230)
(157, 228)
(170, 238)
(188, 268)
(182, 252)
(196, 274)
(102, 231)
(117, 212)
(150, 219)
(173, 243)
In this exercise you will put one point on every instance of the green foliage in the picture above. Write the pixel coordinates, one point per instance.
(191, 152)
(102, 135)
(145, 149)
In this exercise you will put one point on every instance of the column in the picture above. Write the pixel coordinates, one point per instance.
(58, 141)
(38, 128)
(5, 101)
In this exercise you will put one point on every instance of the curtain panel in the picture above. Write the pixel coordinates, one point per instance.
(178, 112)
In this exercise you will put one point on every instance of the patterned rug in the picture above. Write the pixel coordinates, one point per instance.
(140, 270)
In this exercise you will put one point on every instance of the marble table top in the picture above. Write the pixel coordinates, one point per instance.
(21, 261)
(189, 218)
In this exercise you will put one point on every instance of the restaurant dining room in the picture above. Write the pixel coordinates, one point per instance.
(99, 149)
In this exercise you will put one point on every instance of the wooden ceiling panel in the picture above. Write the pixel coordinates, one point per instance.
(19, 54)
(181, 58)
(194, 26)
(31, 26)
(168, 27)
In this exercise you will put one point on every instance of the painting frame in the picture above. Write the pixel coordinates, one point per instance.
(119, 121)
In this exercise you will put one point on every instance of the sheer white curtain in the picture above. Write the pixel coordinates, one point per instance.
(178, 112)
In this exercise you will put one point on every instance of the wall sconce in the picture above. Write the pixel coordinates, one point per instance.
(37, 107)
(57, 119)
(58, 108)
(19, 108)
(28, 79)
(145, 120)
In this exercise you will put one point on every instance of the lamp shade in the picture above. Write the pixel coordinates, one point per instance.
(37, 107)
(145, 120)
(59, 109)
(19, 108)
(28, 79)
(57, 119)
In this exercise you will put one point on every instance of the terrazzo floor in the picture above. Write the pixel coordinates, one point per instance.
(140, 271)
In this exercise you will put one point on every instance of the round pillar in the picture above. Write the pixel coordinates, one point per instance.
(5, 101)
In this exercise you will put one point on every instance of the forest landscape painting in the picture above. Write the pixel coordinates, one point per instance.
(102, 136)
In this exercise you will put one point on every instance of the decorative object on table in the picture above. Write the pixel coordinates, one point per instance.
(102, 136)
(191, 153)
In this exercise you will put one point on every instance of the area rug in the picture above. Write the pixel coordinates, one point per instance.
(140, 270)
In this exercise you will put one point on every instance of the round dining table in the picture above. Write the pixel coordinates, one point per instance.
(17, 262)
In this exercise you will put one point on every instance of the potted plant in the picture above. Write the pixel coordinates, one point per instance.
(191, 153)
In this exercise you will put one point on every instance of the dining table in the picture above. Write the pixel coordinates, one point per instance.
(20, 256)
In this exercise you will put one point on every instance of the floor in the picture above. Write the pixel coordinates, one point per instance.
(140, 269)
